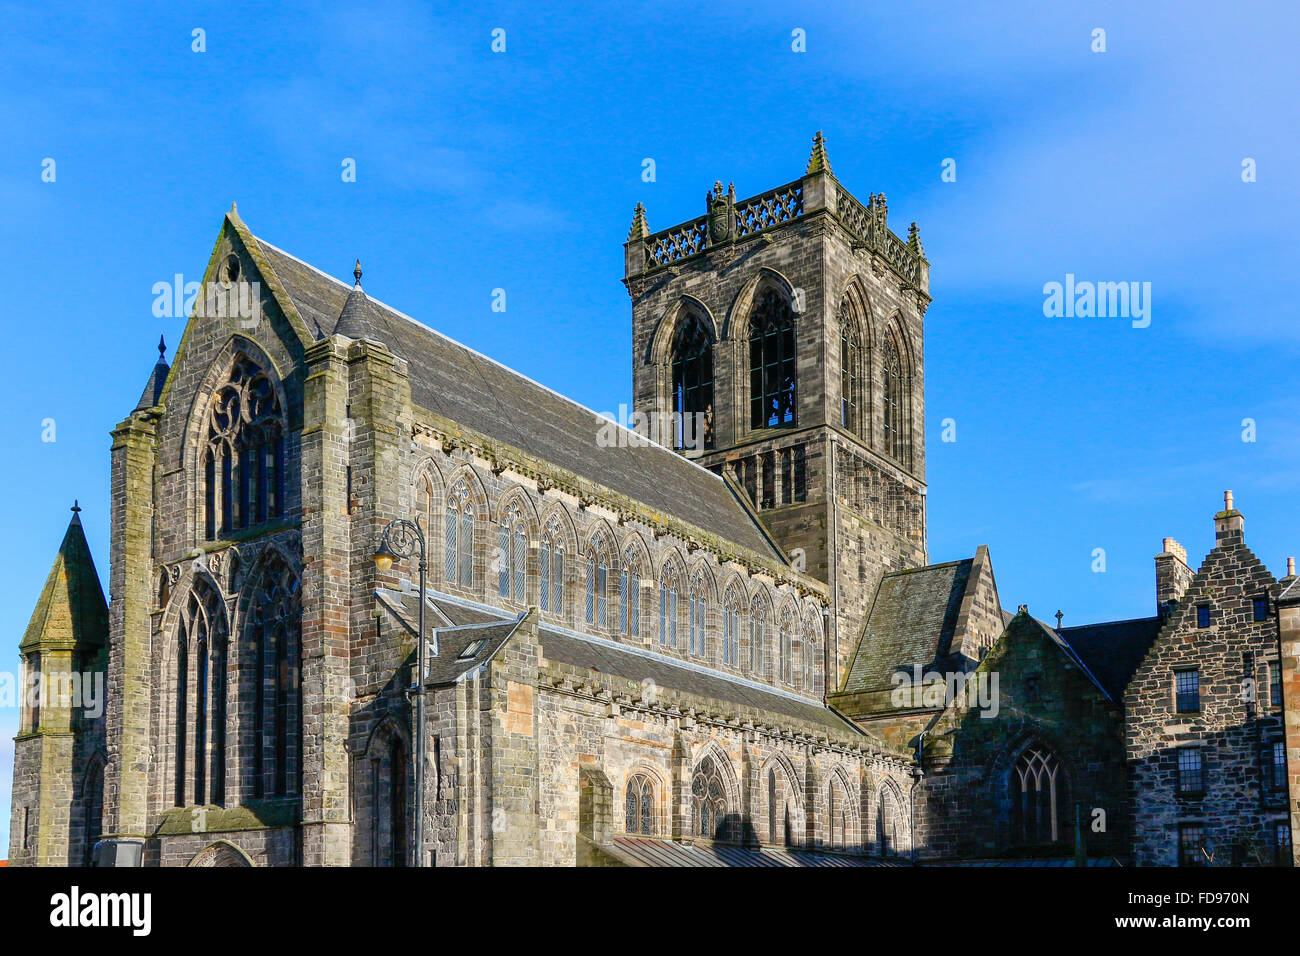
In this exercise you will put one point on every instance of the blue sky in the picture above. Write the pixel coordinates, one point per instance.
(520, 170)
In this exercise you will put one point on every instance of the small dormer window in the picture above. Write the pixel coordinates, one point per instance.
(472, 648)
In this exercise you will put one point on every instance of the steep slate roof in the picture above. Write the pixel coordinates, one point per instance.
(1112, 650)
(71, 607)
(1291, 593)
(468, 627)
(454, 381)
(911, 623)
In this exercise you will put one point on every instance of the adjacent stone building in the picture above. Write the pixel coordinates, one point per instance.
(708, 634)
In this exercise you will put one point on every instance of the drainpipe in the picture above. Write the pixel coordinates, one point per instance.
(911, 796)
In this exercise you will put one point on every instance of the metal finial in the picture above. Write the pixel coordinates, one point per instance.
(75, 507)
(1059, 615)
(357, 272)
(162, 348)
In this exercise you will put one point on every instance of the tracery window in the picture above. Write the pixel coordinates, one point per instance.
(1040, 795)
(629, 621)
(668, 589)
(274, 629)
(200, 746)
(512, 553)
(709, 802)
(697, 616)
(772, 370)
(731, 627)
(758, 642)
(785, 668)
(552, 566)
(797, 662)
(897, 395)
(813, 662)
(692, 384)
(597, 581)
(458, 541)
(639, 806)
(850, 371)
(243, 455)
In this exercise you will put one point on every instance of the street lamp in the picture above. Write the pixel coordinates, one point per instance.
(402, 539)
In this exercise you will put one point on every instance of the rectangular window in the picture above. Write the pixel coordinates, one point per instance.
(544, 565)
(1282, 844)
(1202, 615)
(1275, 683)
(1191, 844)
(1261, 607)
(520, 559)
(503, 561)
(1278, 767)
(1191, 778)
(800, 474)
(1187, 685)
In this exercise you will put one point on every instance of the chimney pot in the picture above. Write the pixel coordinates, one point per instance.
(1290, 567)
(1227, 500)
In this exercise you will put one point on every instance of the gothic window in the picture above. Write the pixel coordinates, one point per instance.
(387, 765)
(1040, 797)
(275, 618)
(772, 371)
(897, 401)
(201, 646)
(812, 662)
(731, 627)
(597, 581)
(458, 543)
(552, 566)
(709, 802)
(757, 642)
(639, 806)
(669, 586)
(92, 809)
(887, 824)
(837, 820)
(785, 663)
(850, 371)
(243, 455)
(692, 384)
(797, 660)
(512, 553)
(696, 619)
(629, 619)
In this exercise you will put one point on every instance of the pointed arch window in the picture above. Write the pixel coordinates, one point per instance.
(512, 553)
(458, 540)
(387, 788)
(92, 809)
(812, 661)
(243, 456)
(274, 650)
(785, 669)
(692, 384)
(551, 560)
(1039, 795)
(639, 806)
(757, 642)
(731, 627)
(201, 698)
(779, 823)
(697, 616)
(897, 401)
(629, 621)
(597, 581)
(669, 587)
(837, 820)
(772, 369)
(850, 371)
(887, 824)
(709, 802)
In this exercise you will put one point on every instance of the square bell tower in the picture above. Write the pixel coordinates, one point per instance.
(779, 341)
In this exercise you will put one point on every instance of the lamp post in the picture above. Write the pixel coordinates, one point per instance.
(402, 539)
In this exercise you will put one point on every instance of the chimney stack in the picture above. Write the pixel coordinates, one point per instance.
(1228, 523)
(1172, 576)
(1290, 567)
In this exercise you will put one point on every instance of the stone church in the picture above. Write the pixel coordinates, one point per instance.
(709, 635)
